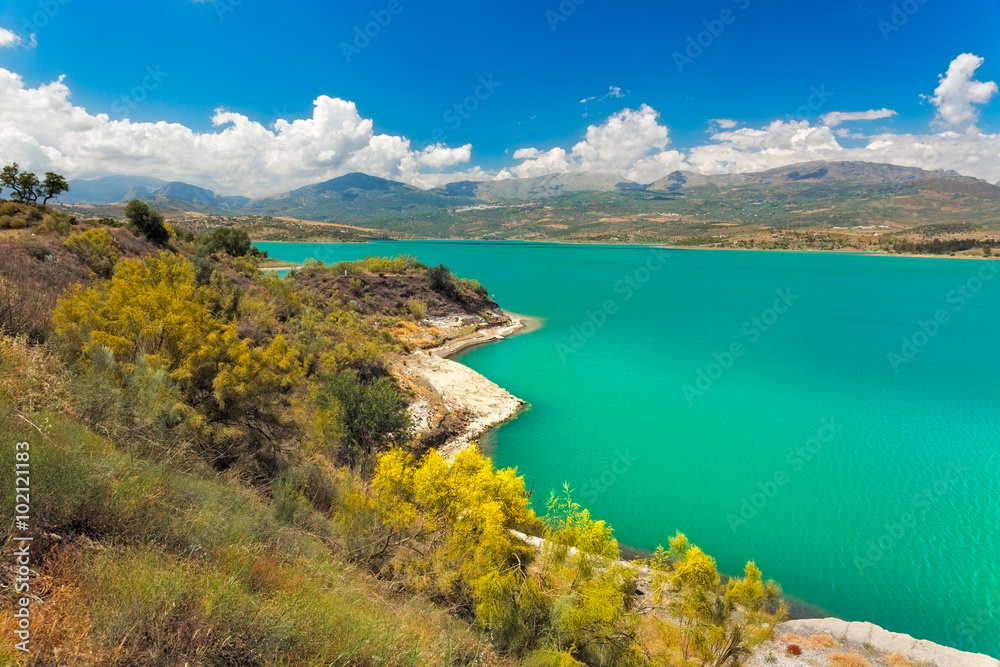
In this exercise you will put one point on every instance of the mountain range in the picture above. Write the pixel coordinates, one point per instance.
(360, 196)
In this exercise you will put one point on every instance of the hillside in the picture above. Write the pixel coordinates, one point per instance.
(352, 196)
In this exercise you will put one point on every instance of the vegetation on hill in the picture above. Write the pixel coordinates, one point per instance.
(224, 473)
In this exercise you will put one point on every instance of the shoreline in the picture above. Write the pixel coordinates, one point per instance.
(519, 325)
(843, 251)
(462, 390)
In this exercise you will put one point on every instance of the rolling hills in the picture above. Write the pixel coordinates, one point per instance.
(814, 198)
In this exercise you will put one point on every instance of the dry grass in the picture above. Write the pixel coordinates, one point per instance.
(821, 641)
(813, 641)
(31, 378)
(852, 659)
(897, 660)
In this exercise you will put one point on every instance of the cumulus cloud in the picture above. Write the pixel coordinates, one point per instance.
(835, 118)
(957, 92)
(42, 129)
(723, 123)
(615, 146)
(9, 39)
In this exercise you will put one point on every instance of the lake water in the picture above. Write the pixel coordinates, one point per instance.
(834, 417)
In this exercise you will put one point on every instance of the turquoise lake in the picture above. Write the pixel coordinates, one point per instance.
(834, 417)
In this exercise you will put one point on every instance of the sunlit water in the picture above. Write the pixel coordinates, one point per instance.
(751, 400)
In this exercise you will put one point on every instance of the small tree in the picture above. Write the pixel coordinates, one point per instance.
(721, 624)
(439, 278)
(147, 222)
(28, 186)
(53, 186)
(10, 178)
(373, 414)
(230, 240)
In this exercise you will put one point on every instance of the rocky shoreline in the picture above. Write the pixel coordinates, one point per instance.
(459, 390)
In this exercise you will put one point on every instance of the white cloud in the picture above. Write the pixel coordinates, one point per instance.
(958, 91)
(835, 118)
(9, 38)
(439, 156)
(43, 130)
(614, 146)
(724, 123)
(613, 92)
(526, 153)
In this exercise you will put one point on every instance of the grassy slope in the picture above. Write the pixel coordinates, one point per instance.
(148, 565)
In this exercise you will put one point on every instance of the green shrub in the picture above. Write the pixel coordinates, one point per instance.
(10, 207)
(473, 286)
(229, 240)
(59, 223)
(416, 309)
(439, 278)
(11, 222)
(373, 416)
(97, 249)
(147, 222)
(380, 265)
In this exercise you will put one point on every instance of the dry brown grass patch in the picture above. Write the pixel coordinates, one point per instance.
(31, 378)
(820, 641)
(897, 659)
(852, 659)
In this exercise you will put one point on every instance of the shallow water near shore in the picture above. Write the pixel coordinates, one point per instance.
(834, 417)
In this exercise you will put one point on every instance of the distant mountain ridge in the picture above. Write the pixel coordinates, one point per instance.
(354, 194)
(357, 195)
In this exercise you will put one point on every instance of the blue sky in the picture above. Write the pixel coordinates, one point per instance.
(179, 61)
